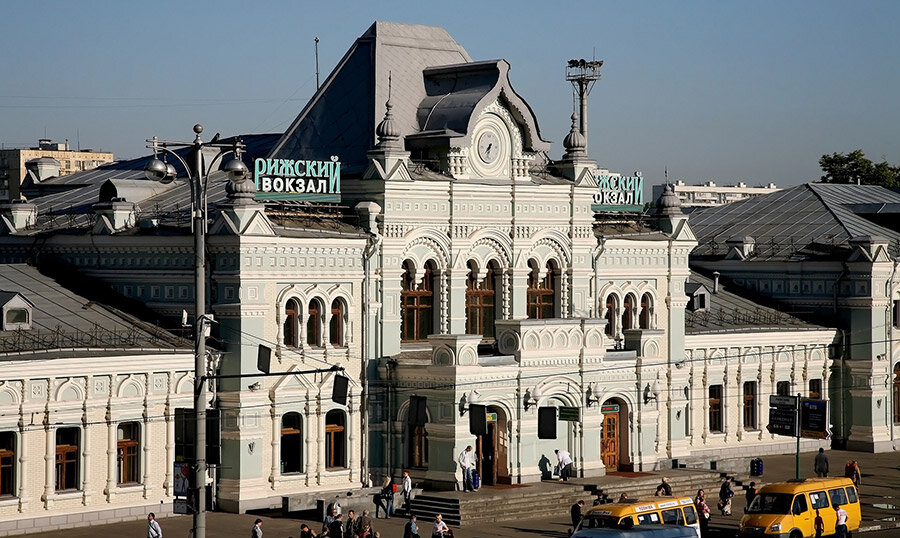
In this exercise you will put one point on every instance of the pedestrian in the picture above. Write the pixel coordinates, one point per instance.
(725, 494)
(365, 532)
(751, 494)
(329, 519)
(664, 489)
(467, 464)
(440, 528)
(386, 498)
(256, 529)
(306, 532)
(819, 525)
(602, 498)
(350, 524)
(703, 511)
(411, 530)
(840, 524)
(407, 491)
(623, 497)
(365, 520)
(565, 464)
(336, 529)
(821, 464)
(153, 528)
(576, 514)
(856, 475)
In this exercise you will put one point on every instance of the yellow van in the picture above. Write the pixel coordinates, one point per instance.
(666, 510)
(788, 509)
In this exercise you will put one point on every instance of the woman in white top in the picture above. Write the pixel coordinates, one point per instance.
(440, 528)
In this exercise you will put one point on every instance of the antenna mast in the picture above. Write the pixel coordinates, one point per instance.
(317, 62)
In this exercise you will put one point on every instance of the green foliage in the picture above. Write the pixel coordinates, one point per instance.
(854, 168)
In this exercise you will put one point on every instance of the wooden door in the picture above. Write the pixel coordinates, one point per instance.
(609, 443)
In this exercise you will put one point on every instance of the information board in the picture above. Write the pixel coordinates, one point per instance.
(782, 421)
(570, 414)
(813, 418)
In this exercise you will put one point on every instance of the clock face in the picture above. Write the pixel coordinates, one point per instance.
(488, 147)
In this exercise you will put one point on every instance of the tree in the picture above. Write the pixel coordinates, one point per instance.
(855, 168)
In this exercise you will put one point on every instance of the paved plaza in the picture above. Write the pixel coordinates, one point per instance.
(879, 494)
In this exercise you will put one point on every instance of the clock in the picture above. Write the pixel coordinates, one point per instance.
(488, 147)
(490, 151)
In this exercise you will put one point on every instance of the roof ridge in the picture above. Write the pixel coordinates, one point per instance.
(828, 207)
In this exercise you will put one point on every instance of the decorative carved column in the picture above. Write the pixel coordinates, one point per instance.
(505, 313)
(351, 435)
(86, 457)
(49, 460)
(320, 433)
(168, 484)
(111, 475)
(275, 471)
(308, 438)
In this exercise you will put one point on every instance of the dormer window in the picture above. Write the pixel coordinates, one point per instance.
(17, 311)
(698, 296)
(16, 315)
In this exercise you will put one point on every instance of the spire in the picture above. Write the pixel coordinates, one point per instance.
(574, 142)
(387, 132)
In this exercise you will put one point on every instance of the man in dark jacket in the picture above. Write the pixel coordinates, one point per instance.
(336, 529)
(575, 512)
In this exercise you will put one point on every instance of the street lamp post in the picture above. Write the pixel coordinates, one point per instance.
(198, 177)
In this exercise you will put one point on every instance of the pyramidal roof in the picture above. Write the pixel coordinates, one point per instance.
(805, 218)
(341, 117)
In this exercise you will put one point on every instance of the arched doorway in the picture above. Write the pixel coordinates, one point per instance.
(614, 435)
(492, 450)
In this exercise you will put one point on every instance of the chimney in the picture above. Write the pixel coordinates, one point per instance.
(17, 215)
(716, 281)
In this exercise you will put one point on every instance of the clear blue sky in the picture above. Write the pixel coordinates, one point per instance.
(724, 90)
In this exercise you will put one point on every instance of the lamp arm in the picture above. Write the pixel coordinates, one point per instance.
(167, 151)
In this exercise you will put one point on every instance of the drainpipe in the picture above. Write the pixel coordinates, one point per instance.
(373, 242)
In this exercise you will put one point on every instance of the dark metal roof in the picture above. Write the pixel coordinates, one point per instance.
(787, 223)
(727, 311)
(64, 319)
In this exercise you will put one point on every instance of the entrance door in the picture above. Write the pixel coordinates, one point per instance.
(609, 444)
(491, 451)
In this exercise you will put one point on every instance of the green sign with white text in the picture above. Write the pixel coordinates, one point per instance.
(289, 179)
(618, 193)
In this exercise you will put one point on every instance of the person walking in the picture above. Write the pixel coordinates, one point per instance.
(256, 529)
(751, 494)
(576, 514)
(855, 474)
(564, 464)
(407, 491)
(440, 528)
(703, 511)
(840, 524)
(467, 464)
(153, 528)
(664, 489)
(821, 463)
(386, 498)
(411, 530)
(725, 494)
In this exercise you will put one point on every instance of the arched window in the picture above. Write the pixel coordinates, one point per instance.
(336, 326)
(128, 447)
(418, 304)
(335, 439)
(291, 323)
(897, 393)
(314, 323)
(612, 304)
(480, 302)
(628, 312)
(541, 292)
(646, 318)
(291, 443)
